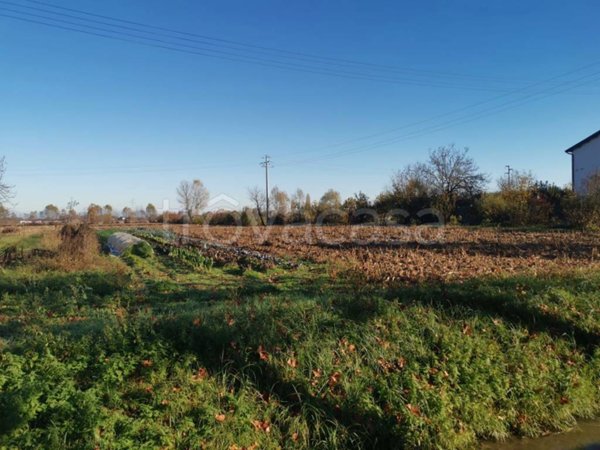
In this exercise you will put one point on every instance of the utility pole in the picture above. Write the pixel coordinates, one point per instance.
(508, 172)
(266, 163)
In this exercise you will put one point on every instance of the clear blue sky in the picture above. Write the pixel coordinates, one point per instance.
(108, 121)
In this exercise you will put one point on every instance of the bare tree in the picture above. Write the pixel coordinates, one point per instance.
(71, 213)
(257, 197)
(192, 196)
(451, 173)
(297, 205)
(5, 189)
(519, 181)
(410, 182)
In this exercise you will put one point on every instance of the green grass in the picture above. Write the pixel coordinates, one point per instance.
(24, 242)
(162, 354)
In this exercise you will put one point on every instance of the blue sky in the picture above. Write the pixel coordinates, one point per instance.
(106, 121)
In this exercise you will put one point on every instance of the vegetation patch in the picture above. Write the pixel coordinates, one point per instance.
(157, 355)
(142, 249)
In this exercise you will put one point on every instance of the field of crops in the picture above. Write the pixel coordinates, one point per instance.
(415, 254)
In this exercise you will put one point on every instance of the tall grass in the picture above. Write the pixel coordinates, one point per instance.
(154, 356)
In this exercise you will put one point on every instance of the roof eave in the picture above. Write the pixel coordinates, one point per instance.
(591, 137)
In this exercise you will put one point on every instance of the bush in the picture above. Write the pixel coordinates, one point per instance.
(223, 218)
(537, 204)
(78, 244)
(583, 212)
(142, 249)
(191, 257)
(494, 208)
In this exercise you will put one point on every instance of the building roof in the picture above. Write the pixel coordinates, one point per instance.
(585, 141)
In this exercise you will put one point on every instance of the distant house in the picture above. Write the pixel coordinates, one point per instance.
(585, 161)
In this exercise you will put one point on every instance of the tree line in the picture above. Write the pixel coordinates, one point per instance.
(448, 187)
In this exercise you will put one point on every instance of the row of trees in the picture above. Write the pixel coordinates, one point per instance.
(448, 187)
(95, 214)
(446, 180)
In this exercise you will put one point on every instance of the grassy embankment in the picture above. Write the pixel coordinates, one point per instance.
(163, 352)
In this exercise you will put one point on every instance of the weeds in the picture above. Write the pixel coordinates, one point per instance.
(191, 257)
(156, 357)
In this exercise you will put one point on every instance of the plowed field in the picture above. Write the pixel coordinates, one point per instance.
(413, 254)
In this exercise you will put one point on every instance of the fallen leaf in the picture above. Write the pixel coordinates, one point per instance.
(201, 374)
(262, 354)
(334, 378)
(414, 409)
(260, 425)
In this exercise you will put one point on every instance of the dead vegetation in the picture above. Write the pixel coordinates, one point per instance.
(75, 247)
(78, 241)
(417, 254)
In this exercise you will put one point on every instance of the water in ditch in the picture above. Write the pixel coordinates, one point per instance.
(586, 435)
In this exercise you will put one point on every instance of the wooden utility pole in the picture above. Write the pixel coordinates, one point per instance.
(266, 163)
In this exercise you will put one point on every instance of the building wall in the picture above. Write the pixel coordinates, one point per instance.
(586, 162)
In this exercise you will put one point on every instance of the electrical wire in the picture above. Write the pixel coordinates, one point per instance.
(237, 44)
(120, 35)
(458, 121)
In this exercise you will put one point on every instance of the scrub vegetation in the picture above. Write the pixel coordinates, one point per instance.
(177, 349)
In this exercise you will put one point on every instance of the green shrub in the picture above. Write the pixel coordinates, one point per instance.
(142, 249)
(191, 257)
(583, 212)
(494, 208)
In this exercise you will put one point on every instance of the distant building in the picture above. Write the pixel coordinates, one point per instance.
(585, 161)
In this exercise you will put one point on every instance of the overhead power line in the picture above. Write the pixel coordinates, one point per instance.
(205, 39)
(419, 133)
(159, 43)
(127, 33)
(536, 95)
(131, 36)
(281, 60)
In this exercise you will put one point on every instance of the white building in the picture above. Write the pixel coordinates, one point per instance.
(585, 161)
